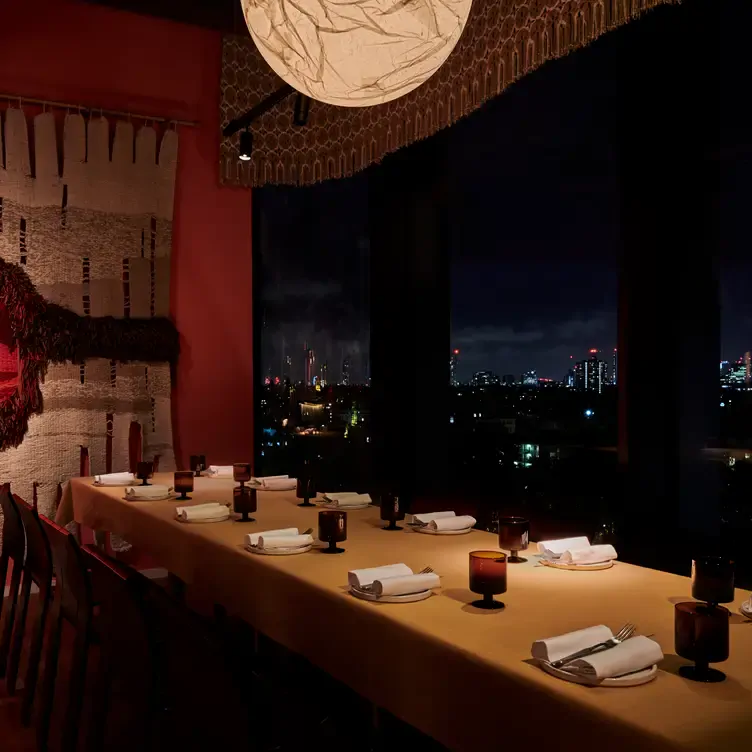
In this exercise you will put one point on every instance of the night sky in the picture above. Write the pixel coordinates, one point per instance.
(535, 238)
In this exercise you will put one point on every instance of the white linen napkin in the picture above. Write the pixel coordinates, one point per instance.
(219, 471)
(430, 516)
(284, 541)
(553, 549)
(261, 478)
(589, 555)
(278, 484)
(147, 492)
(361, 577)
(346, 499)
(251, 539)
(463, 522)
(555, 648)
(633, 654)
(409, 583)
(115, 479)
(203, 512)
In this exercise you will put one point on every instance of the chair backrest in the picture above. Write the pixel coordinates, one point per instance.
(135, 443)
(14, 541)
(72, 574)
(38, 552)
(84, 466)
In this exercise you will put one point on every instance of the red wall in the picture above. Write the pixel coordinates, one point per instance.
(74, 52)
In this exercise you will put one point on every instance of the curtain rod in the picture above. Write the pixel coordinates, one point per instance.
(92, 110)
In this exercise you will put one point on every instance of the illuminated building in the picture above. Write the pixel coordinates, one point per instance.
(484, 378)
(614, 371)
(310, 360)
(736, 374)
(453, 368)
(346, 372)
(591, 375)
(508, 379)
(530, 378)
(324, 379)
(569, 378)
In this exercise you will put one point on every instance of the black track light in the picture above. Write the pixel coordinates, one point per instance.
(246, 146)
(300, 113)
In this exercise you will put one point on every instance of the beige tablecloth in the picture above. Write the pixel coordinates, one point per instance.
(462, 675)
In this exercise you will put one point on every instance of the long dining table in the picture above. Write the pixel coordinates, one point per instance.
(460, 674)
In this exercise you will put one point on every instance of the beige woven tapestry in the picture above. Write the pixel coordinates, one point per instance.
(90, 221)
(503, 41)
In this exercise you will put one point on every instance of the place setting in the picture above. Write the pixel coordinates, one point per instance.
(352, 501)
(576, 554)
(288, 541)
(393, 583)
(597, 657)
(442, 523)
(114, 479)
(213, 511)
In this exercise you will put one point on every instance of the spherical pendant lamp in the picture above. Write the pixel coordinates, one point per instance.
(355, 54)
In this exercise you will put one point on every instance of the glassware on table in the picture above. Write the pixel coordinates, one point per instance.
(183, 483)
(306, 488)
(392, 510)
(198, 463)
(144, 471)
(701, 630)
(488, 577)
(244, 502)
(241, 472)
(332, 529)
(514, 536)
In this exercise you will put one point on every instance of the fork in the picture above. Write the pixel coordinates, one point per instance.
(425, 570)
(623, 634)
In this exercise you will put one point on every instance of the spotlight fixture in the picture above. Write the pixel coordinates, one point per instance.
(246, 146)
(300, 113)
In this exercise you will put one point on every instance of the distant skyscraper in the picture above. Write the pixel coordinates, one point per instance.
(453, 368)
(591, 375)
(346, 372)
(569, 378)
(530, 378)
(484, 378)
(309, 365)
(324, 378)
(615, 371)
(747, 367)
(287, 368)
(735, 374)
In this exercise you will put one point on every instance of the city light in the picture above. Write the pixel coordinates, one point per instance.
(589, 413)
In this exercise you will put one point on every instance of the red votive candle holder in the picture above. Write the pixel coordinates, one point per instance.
(701, 634)
(183, 484)
(488, 577)
(332, 529)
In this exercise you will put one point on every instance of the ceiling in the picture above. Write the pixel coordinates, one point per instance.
(221, 15)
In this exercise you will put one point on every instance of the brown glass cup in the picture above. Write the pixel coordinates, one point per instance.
(332, 529)
(701, 634)
(514, 536)
(183, 484)
(244, 502)
(241, 472)
(392, 511)
(713, 579)
(488, 577)
(144, 471)
(197, 463)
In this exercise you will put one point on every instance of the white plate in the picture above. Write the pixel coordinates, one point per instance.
(408, 598)
(328, 505)
(279, 551)
(746, 608)
(431, 531)
(223, 518)
(628, 680)
(578, 567)
(170, 497)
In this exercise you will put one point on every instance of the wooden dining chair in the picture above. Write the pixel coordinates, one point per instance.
(37, 570)
(135, 446)
(126, 660)
(73, 603)
(12, 554)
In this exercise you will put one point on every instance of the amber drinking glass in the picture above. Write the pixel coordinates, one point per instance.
(713, 579)
(183, 484)
(144, 471)
(514, 536)
(241, 472)
(488, 577)
(198, 463)
(244, 502)
(701, 634)
(332, 529)
(392, 511)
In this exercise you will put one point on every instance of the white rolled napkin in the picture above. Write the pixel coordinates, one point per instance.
(633, 654)
(147, 492)
(463, 522)
(346, 499)
(115, 479)
(430, 516)
(219, 471)
(203, 512)
(589, 555)
(553, 549)
(278, 484)
(284, 541)
(361, 577)
(260, 479)
(409, 583)
(251, 539)
(555, 648)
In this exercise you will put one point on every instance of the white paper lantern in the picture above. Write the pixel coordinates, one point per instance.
(355, 54)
